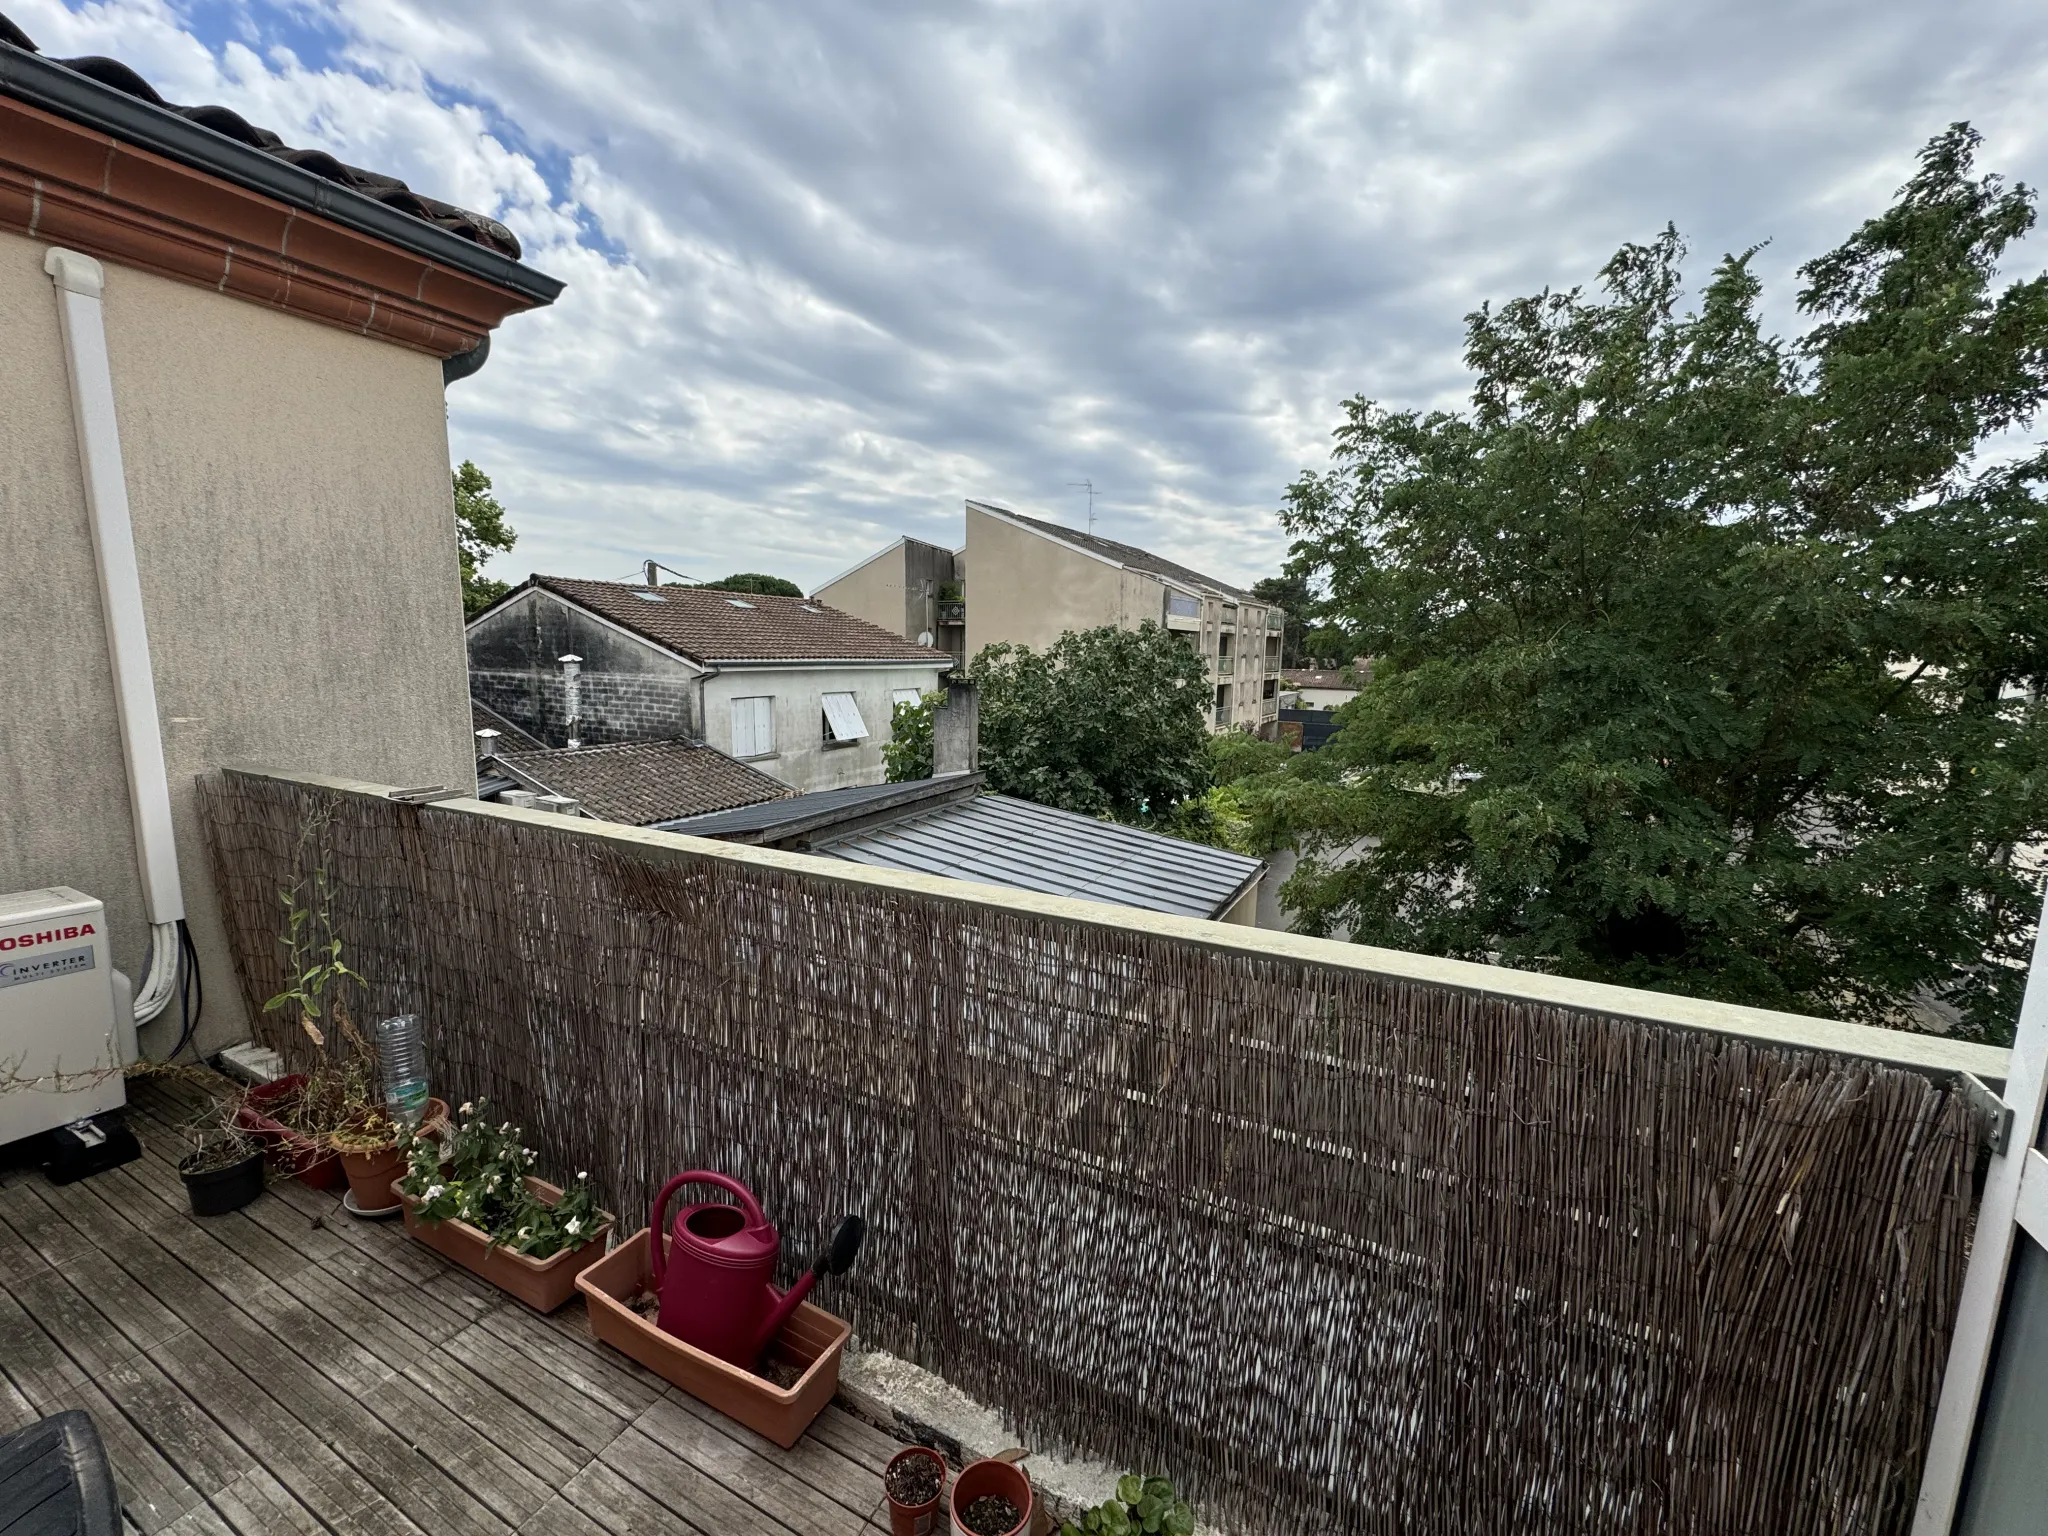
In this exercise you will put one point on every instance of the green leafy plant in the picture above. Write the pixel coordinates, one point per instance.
(1706, 659)
(317, 977)
(907, 753)
(757, 582)
(479, 1178)
(1146, 1504)
(480, 532)
(1106, 722)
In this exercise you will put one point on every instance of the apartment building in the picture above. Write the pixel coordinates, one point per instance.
(1026, 581)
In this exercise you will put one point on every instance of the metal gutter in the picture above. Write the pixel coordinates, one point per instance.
(42, 83)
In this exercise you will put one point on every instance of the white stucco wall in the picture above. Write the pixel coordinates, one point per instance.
(801, 759)
(295, 532)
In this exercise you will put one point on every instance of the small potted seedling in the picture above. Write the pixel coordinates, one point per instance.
(913, 1481)
(224, 1169)
(1142, 1504)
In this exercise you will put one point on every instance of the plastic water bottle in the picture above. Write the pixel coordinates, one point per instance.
(404, 1060)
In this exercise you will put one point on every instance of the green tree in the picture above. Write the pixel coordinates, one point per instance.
(1107, 722)
(755, 581)
(1291, 594)
(480, 532)
(1708, 660)
(907, 754)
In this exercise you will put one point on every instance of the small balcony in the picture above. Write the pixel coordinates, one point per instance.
(1443, 1238)
(952, 612)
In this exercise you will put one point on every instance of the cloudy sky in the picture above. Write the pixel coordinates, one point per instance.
(833, 267)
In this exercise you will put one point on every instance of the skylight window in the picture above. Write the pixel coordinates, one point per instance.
(809, 609)
(739, 602)
(650, 597)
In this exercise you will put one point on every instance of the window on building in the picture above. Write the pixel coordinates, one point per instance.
(1179, 605)
(753, 727)
(904, 696)
(1272, 687)
(843, 724)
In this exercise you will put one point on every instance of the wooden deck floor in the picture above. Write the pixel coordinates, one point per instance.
(288, 1369)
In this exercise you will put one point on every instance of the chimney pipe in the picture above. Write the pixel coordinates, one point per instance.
(653, 576)
(487, 743)
(572, 696)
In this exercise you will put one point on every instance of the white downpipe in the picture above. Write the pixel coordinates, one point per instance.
(80, 281)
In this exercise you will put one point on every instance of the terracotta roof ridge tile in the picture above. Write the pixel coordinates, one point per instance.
(389, 190)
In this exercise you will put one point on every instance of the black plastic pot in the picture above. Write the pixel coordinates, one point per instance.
(220, 1190)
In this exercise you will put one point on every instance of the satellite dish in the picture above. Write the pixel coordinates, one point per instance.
(924, 637)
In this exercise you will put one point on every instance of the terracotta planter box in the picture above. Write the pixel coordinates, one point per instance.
(543, 1284)
(371, 1174)
(311, 1161)
(813, 1339)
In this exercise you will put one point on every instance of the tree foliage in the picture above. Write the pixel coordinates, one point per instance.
(1290, 593)
(907, 754)
(1107, 722)
(757, 582)
(480, 532)
(1709, 660)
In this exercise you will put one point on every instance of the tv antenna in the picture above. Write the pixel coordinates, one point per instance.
(1090, 486)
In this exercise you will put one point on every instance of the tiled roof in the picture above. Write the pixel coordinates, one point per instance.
(713, 626)
(642, 782)
(388, 190)
(1124, 554)
(510, 738)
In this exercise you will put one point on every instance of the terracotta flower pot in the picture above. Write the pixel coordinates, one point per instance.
(543, 1284)
(309, 1160)
(914, 1519)
(813, 1339)
(979, 1479)
(370, 1174)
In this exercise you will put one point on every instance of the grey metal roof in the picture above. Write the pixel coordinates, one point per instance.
(1001, 841)
(819, 807)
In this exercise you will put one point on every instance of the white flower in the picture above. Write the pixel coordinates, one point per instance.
(468, 1108)
(505, 1126)
(493, 1184)
(575, 1225)
(436, 1191)
(525, 1233)
(582, 1175)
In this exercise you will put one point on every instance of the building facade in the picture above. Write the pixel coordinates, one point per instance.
(1033, 581)
(799, 690)
(230, 532)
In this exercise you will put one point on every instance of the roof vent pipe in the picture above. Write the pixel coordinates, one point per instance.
(653, 574)
(487, 744)
(80, 281)
(572, 696)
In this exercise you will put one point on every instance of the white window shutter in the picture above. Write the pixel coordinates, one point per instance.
(904, 696)
(842, 718)
(753, 727)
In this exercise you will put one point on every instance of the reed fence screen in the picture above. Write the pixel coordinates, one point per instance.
(1336, 1252)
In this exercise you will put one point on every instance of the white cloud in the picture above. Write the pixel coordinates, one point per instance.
(833, 268)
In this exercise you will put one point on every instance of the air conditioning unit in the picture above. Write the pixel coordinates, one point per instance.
(63, 1036)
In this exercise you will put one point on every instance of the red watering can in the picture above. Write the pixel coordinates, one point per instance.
(715, 1282)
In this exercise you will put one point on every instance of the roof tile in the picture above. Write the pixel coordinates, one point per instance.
(708, 625)
(642, 782)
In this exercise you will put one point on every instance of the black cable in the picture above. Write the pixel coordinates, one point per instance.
(189, 997)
